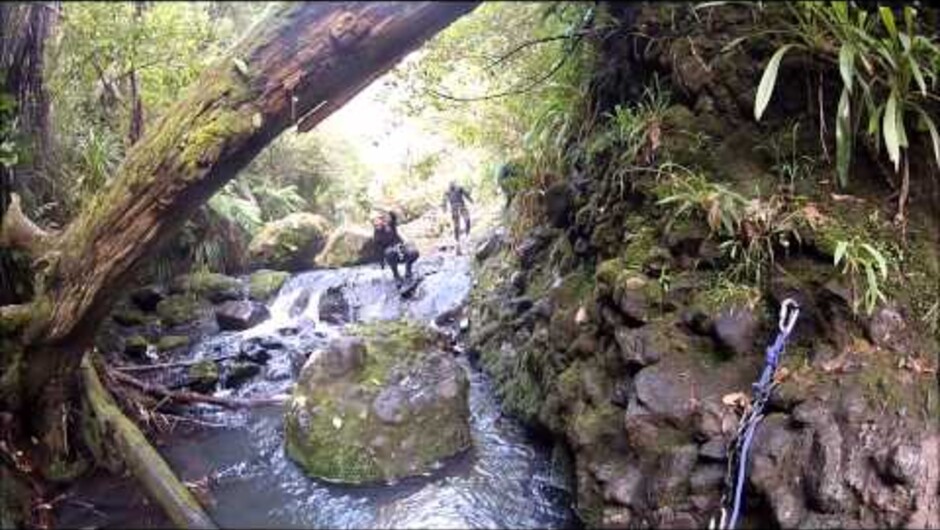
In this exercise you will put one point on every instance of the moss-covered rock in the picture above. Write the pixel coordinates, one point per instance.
(171, 342)
(264, 284)
(212, 286)
(383, 405)
(346, 246)
(178, 309)
(203, 376)
(290, 243)
(131, 316)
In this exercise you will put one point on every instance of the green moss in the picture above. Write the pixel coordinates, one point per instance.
(175, 310)
(209, 285)
(131, 316)
(265, 283)
(170, 342)
(135, 343)
(60, 470)
(11, 374)
(203, 375)
(289, 243)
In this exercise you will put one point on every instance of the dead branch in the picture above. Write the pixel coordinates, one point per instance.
(188, 398)
(19, 232)
(180, 364)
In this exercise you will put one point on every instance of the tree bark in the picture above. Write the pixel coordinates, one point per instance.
(303, 55)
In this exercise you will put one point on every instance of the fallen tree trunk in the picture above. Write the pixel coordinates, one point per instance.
(140, 458)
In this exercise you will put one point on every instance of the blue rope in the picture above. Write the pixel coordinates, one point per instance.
(761, 391)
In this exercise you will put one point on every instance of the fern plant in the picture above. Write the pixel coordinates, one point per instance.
(693, 194)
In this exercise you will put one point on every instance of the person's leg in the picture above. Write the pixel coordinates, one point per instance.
(455, 217)
(411, 255)
(391, 257)
(466, 217)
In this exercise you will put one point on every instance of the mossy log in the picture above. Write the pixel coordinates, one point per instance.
(140, 458)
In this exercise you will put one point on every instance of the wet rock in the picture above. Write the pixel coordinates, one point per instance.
(625, 488)
(264, 284)
(279, 371)
(532, 246)
(333, 307)
(559, 204)
(383, 405)
(203, 376)
(631, 294)
(520, 305)
(131, 316)
(823, 474)
(714, 450)
(290, 243)
(735, 329)
(902, 464)
(696, 321)
(341, 356)
(887, 329)
(490, 246)
(661, 391)
(622, 392)
(707, 478)
(641, 347)
(216, 288)
(347, 246)
(146, 298)
(253, 351)
(299, 304)
(239, 315)
(673, 472)
(239, 372)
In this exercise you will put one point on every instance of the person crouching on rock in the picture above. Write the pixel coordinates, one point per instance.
(392, 249)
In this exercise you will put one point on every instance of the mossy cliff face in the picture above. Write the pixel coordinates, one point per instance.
(290, 243)
(382, 404)
(631, 333)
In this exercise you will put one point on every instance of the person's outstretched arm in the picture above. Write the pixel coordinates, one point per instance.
(466, 194)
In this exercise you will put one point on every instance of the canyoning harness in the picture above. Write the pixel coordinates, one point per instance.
(740, 445)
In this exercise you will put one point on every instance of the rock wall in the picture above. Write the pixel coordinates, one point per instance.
(631, 335)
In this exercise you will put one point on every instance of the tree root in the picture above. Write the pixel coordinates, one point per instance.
(186, 397)
(18, 231)
(143, 461)
(181, 364)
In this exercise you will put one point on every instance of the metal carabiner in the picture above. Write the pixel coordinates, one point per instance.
(789, 310)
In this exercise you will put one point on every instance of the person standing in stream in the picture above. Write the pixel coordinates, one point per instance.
(455, 196)
(391, 248)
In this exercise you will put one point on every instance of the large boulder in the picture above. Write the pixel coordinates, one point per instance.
(345, 247)
(386, 403)
(289, 243)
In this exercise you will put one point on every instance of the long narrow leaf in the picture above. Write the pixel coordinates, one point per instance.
(887, 16)
(843, 138)
(934, 137)
(766, 87)
(918, 75)
(889, 128)
(847, 65)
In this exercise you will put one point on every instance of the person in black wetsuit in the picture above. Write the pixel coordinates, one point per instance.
(391, 248)
(455, 196)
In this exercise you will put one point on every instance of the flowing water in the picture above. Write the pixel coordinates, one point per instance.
(507, 480)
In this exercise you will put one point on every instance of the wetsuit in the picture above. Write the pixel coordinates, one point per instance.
(393, 249)
(455, 196)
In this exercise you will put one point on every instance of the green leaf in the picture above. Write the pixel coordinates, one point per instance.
(841, 247)
(887, 16)
(879, 258)
(889, 128)
(843, 138)
(918, 75)
(768, 80)
(934, 137)
(847, 65)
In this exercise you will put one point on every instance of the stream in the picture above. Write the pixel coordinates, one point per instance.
(508, 479)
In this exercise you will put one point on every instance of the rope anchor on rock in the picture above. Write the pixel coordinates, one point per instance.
(739, 446)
